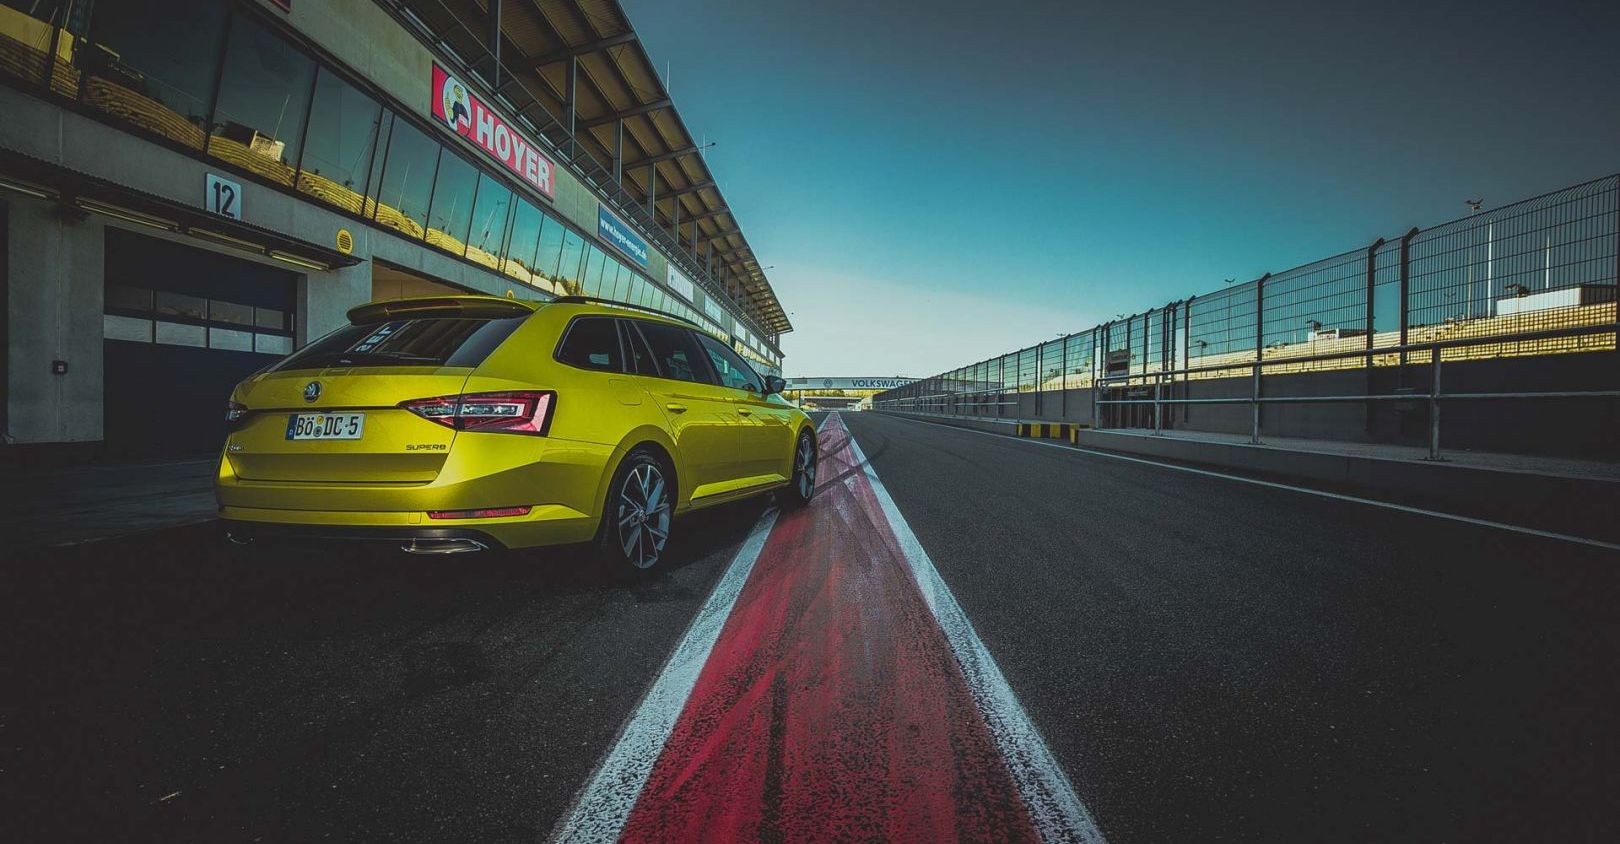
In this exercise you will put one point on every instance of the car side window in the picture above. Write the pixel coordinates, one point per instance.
(675, 351)
(592, 343)
(636, 353)
(729, 366)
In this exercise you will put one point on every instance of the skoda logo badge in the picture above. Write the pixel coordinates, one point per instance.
(312, 391)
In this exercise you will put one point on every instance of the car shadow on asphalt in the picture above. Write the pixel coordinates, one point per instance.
(154, 584)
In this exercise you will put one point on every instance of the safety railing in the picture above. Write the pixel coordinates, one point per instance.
(1534, 278)
(1256, 399)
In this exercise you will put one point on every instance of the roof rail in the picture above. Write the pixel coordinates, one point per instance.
(597, 300)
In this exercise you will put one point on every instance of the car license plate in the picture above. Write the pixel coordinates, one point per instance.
(325, 426)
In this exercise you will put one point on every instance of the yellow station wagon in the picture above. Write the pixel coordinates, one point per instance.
(468, 422)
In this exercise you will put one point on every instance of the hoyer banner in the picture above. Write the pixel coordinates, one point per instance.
(467, 115)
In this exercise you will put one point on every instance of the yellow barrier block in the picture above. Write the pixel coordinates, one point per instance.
(1045, 430)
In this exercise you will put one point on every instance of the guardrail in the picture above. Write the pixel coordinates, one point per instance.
(1434, 397)
(1534, 278)
(938, 401)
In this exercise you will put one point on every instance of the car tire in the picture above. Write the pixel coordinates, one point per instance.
(638, 513)
(802, 485)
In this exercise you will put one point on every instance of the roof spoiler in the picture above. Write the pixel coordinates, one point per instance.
(449, 307)
(597, 300)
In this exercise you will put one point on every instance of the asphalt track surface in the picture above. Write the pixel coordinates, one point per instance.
(1205, 659)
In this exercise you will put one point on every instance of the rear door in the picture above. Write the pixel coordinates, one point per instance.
(701, 418)
(764, 437)
(331, 412)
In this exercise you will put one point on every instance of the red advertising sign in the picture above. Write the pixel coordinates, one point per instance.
(467, 115)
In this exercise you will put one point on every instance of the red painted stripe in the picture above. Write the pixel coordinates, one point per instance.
(831, 707)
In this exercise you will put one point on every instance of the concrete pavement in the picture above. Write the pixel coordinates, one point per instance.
(74, 504)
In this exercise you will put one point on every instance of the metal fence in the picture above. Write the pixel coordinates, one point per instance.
(1537, 277)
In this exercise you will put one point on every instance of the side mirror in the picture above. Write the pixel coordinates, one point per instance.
(774, 384)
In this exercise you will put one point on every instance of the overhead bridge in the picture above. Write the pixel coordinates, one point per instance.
(840, 392)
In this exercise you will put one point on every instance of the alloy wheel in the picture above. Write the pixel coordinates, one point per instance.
(804, 466)
(643, 514)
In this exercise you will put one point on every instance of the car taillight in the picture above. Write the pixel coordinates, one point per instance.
(235, 412)
(517, 412)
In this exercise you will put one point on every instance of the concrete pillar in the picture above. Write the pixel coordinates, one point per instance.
(324, 299)
(54, 313)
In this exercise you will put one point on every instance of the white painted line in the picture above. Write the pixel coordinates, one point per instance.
(1372, 502)
(604, 805)
(1056, 810)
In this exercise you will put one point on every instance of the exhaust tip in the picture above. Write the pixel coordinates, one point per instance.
(443, 546)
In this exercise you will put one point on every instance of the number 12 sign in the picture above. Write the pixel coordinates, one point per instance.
(223, 197)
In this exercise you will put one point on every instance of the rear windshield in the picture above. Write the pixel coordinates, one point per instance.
(432, 341)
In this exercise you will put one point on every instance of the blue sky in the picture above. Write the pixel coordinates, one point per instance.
(940, 182)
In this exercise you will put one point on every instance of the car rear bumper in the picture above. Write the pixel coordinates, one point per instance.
(548, 524)
(414, 540)
(560, 481)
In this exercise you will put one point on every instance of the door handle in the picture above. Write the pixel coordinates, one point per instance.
(744, 411)
(672, 407)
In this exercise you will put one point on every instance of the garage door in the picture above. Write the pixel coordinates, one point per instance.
(182, 327)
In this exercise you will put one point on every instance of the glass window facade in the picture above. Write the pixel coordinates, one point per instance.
(568, 269)
(158, 78)
(519, 262)
(339, 143)
(27, 31)
(614, 281)
(486, 241)
(406, 184)
(49, 12)
(593, 271)
(264, 97)
(222, 79)
(450, 214)
(551, 249)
